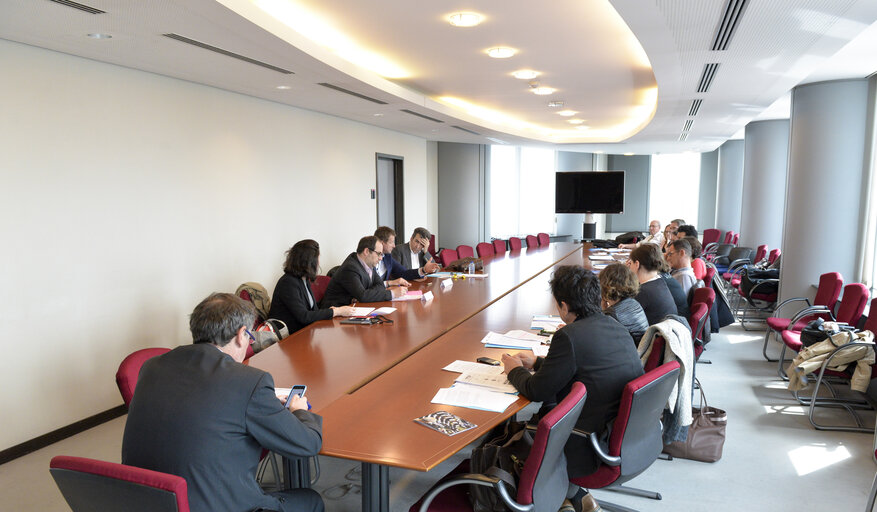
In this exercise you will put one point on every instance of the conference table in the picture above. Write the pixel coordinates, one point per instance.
(369, 382)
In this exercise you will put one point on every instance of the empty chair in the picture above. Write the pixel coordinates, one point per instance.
(499, 246)
(318, 287)
(773, 256)
(129, 370)
(635, 438)
(543, 482)
(699, 268)
(728, 237)
(514, 243)
(90, 485)
(532, 241)
(465, 251)
(707, 296)
(544, 239)
(827, 293)
(432, 249)
(447, 256)
(735, 239)
(711, 236)
(484, 249)
(697, 316)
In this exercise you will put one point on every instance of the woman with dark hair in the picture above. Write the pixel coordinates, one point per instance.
(646, 261)
(591, 348)
(618, 287)
(293, 301)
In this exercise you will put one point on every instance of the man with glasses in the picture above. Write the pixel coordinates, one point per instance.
(199, 413)
(679, 257)
(413, 254)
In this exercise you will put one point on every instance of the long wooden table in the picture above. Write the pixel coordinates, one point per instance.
(370, 382)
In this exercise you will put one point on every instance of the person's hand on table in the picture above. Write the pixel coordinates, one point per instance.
(398, 282)
(342, 311)
(510, 362)
(431, 267)
(398, 291)
(298, 402)
(528, 359)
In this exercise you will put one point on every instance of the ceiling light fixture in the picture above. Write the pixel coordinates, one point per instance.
(465, 19)
(576, 121)
(525, 74)
(98, 35)
(501, 52)
(555, 104)
(567, 113)
(283, 87)
(543, 91)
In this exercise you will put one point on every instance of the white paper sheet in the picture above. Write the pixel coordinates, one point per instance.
(496, 382)
(362, 311)
(473, 398)
(459, 366)
(386, 310)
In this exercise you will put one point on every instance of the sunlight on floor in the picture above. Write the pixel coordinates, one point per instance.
(793, 410)
(808, 459)
(735, 339)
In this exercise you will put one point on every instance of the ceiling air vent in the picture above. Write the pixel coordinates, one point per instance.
(81, 7)
(683, 136)
(687, 126)
(728, 24)
(413, 113)
(706, 79)
(467, 130)
(695, 107)
(347, 91)
(227, 53)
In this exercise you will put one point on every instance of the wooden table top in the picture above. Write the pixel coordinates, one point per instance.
(375, 423)
(334, 360)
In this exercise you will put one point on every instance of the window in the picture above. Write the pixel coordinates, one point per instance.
(521, 191)
(674, 189)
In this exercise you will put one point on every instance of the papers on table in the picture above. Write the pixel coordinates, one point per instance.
(474, 397)
(361, 311)
(547, 322)
(444, 275)
(513, 339)
(496, 382)
(411, 295)
(470, 367)
(386, 310)
(601, 257)
(540, 351)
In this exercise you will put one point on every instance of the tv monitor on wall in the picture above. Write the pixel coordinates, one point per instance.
(589, 192)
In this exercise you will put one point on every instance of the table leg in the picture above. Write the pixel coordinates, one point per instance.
(375, 487)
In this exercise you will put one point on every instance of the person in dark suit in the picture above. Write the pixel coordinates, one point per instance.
(199, 413)
(646, 261)
(293, 301)
(591, 348)
(416, 246)
(357, 279)
(388, 268)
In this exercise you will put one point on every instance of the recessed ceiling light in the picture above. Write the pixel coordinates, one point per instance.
(525, 74)
(501, 52)
(98, 35)
(378, 115)
(543, 91)
(576, 121)
(283, 87)
(465, 19)
(628, 154)
(555, 104)
(567, 113)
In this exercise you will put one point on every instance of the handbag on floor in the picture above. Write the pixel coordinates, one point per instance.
(501, 454)
(706, 435)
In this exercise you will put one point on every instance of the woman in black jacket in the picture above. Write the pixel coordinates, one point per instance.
(618, 287)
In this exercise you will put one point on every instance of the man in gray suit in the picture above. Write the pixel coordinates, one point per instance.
(413, 254)
(199, 413)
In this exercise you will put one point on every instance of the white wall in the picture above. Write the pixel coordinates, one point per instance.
(129, 196)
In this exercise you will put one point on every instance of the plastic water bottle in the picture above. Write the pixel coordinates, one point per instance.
(471, 267)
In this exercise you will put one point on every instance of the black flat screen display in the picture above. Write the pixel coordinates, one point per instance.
(589, 192)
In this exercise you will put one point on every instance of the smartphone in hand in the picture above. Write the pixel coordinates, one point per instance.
(298, 389)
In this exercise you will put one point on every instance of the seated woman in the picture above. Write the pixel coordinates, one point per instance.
(293, 301)
(618, 287)
(669, 236)
(591, 348)
(646, 261)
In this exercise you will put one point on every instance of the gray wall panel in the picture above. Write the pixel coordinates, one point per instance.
(709, 175)
(765, 159)
(636, 193)
(461, 196)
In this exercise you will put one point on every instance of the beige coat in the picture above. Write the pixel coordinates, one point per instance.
(810, 359)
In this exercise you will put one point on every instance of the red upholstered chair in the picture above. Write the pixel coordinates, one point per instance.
(432, 249)
(773, 256)
(447, 256)
(544, 239)
(827, 293)
(850, 310)
(736, 239)
(711, 236)
(707, 296)
(129, 370)
(514, 243)
(729, 236)
(698, 313)
(318, 287)
(760, 253)
(532, 241)
(465, 251)
(635, 439)
(484, 249)
(90, 485)
(543, 484)
(499, 246)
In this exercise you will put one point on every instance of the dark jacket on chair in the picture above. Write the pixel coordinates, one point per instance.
(351, 281)
(199, 414)
(595, 350)
(292, 303)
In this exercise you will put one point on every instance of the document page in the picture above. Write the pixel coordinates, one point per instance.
(474, 398)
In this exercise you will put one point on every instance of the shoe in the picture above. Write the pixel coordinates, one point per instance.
(566, 506)
(589, 504)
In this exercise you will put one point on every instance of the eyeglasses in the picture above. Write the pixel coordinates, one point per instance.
(252, 338)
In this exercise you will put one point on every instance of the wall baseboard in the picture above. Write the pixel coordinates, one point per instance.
(61, 433)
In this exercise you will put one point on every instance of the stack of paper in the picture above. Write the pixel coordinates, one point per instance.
(494, 382)
(411, 295)
(361, 311)
(513, 339)
(547, 322)
(601, 257)
(470, 367)
(474, 397)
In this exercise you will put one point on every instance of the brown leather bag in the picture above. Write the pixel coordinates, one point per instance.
(706, 435)
(462, 264)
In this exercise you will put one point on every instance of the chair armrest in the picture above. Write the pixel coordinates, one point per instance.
(475, 479)
(595, 443)
(737, 264)
(710, 248)
(804, 313)
(789, 301)
(827, 362)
